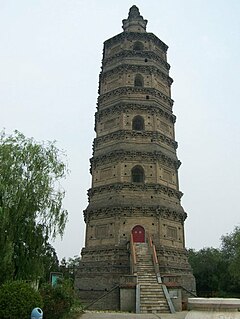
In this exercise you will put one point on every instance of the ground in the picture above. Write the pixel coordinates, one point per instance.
(111, 315)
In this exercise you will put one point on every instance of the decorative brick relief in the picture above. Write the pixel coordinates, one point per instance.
(136, 36)
(109, 123)
(160, 52)
(147, 70)
(161, 86)
(114, 49)
(136, 93)
(172, 232)
(167, 175)
(125, 107)
(152, 56)
(141, 136)
(102, 231)
(106, 173)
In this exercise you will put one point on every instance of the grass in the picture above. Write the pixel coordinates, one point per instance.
(75, 312)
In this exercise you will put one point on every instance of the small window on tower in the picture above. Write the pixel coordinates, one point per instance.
(138, 81)
(138, 123)
(138, 46)
(137, 174)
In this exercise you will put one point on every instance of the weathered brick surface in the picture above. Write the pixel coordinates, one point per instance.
(134, 126)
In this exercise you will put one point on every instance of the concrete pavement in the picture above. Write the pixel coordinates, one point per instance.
(126, 315)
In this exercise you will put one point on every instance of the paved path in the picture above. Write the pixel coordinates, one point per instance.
(118, 315)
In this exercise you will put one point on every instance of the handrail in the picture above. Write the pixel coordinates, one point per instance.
(155, 259)
(133, 256)
(104, 295)
(189, 291)
(157, 271)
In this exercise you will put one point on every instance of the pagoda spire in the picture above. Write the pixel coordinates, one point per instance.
(134, 22)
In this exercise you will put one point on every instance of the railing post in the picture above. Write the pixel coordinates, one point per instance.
(133, 256)
(138, 305)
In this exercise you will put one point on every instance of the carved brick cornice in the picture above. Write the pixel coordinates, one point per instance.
(127, 91)
(121, 155)
(136, 54)
(104, 250)
(178, 215)
(135, 187)
(173, 258)
(171, 251)
(124, 107)
(123, 134)
(136, 69)
(96, 267)
(146, 36)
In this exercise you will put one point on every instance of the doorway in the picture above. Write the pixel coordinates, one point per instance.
(138, 233)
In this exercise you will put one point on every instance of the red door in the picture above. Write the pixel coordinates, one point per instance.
(138, 234)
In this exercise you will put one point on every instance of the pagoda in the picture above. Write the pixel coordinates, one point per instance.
(134, 257)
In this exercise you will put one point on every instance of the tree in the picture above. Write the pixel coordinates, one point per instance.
(69, 267)
(230, 249)
(31, 204)
(209, 269)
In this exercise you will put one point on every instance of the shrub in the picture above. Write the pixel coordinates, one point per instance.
(57, 300)
(17, 300)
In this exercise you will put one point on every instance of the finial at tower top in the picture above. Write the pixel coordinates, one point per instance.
(134, 22)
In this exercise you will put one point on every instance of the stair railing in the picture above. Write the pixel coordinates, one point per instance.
(155, 259)
(193, 294)
(101, 297)
(133, 256)
(157, 272)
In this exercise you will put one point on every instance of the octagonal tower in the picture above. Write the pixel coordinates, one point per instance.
(134, 200)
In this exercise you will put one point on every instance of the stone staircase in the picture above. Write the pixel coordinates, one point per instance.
(152, 298)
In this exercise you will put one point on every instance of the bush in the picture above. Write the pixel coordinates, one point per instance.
(57, 300)
(17, 300)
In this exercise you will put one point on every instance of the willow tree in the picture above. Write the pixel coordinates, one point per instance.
(31, 204)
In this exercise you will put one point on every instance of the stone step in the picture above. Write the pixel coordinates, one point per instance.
(144, 285)
(151, 289)
(147, 277)
(151, 299)
(146, 261)
(146, 274)
(154, 309)
(148, 280)
(154, 305)
(154, 291)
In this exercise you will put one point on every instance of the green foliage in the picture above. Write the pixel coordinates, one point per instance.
(17, 300)
(69, 267)
(57, 300)
(30, 204)
(209, 270)
(230, 249)
(217, 271)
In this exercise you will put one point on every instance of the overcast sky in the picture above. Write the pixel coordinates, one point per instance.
(50, 58)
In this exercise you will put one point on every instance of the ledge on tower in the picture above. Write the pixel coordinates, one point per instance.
(134, 22)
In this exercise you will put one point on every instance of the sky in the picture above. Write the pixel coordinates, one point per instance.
(50, 59)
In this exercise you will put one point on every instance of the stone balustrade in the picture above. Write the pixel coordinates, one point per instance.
(213, 308)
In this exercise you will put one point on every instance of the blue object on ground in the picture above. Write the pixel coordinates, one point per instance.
(37, 313)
